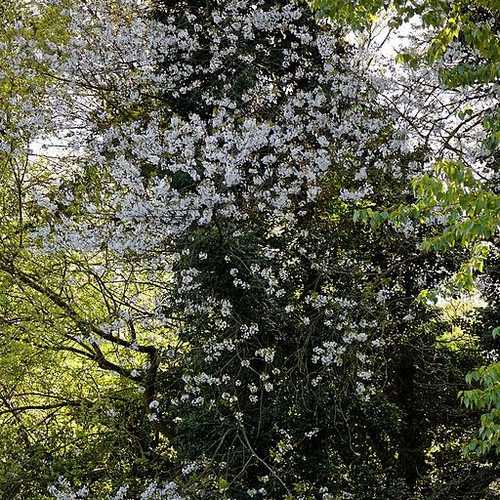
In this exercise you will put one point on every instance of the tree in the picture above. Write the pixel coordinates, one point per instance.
(60, 398)
(202, 248)
(462, 40)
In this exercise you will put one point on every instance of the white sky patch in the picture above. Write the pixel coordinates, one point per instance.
(386, 41)
(49, 147)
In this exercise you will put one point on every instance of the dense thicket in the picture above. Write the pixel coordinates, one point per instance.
(193, 305)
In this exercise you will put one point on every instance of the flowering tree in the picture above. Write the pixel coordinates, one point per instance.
(462, 40)
(195, 239)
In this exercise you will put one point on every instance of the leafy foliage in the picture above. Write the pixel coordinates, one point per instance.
(191, 302)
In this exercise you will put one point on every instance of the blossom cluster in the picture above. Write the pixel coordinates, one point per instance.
(222, 150)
